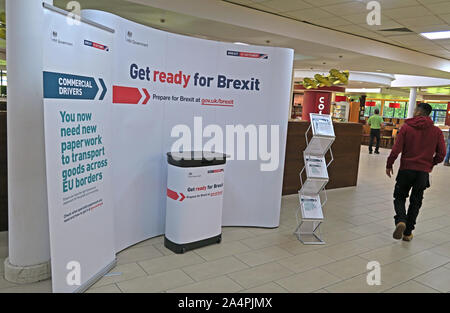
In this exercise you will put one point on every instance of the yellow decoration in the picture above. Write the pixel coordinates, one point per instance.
(333, 78)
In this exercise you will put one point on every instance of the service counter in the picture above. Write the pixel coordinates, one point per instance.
(343, 172)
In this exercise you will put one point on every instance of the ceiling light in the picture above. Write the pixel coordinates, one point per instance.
(241, 43)
(363, 90)
(379, 70)
(437, 35)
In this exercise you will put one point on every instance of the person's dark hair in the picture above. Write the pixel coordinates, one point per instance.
(425, 108)
(377, 111)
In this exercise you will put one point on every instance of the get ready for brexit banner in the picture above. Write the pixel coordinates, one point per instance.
(77, 106)
(163, 82)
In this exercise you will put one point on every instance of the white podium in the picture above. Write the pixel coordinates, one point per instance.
(315, 169)
(195, 186)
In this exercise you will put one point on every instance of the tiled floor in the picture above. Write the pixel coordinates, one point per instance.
(358, 229)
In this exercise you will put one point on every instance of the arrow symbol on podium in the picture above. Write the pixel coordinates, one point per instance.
(175, 196)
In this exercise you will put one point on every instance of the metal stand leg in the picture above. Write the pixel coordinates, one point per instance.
(315, 233)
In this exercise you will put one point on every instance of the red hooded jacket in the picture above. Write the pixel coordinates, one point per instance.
(421, 144)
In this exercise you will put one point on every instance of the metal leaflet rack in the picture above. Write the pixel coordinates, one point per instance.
(316, 179)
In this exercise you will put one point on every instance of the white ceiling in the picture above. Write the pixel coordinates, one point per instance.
(350, 16)
(188, 17)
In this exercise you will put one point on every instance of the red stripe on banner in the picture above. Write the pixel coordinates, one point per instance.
(98, 46)
(172, 194)
(249, 55)
(128, 95)
(182, 197)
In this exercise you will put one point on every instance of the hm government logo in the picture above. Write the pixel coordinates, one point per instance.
(129, 39)
(191, 175)
(54, 37)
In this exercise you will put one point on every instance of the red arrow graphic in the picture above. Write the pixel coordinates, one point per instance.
(172, 194)
(147, 96)
(128, 95)
(182, 197)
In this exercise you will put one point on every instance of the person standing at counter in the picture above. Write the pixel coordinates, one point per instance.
(422, 147)
(375, 122)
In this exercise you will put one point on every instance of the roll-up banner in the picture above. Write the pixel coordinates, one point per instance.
(77, 112)
(164, 84)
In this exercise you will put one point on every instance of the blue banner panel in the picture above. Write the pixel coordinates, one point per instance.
(68, 86)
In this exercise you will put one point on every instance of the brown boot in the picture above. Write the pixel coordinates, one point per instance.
(399, 229)
(408, 238)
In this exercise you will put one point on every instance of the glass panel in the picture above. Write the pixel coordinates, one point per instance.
(369, 111)
(439, 116)
(389, 112)
(438, 106)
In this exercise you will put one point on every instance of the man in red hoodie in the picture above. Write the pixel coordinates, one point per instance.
(422, 147)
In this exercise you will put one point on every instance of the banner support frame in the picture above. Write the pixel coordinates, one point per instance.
(96, 277)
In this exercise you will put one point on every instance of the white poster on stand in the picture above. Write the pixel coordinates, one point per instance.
(77, 102)
(162, 80)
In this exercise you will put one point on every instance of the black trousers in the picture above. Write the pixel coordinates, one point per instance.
(416, 182)
(374, 133)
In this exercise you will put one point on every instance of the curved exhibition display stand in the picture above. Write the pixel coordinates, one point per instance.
(117, 97)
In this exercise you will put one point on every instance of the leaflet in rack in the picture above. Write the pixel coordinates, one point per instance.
(311, 207)
(316, 167)
(322, 125)
(323, 135)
